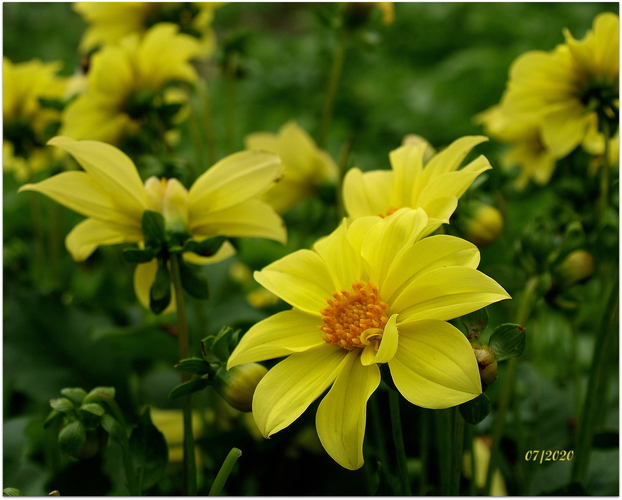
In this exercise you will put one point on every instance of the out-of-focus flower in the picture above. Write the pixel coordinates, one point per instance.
(26, 118)
(565, 90)
(112, 21)
(576, 267)
(126, 85)
(111, 194)
(306, 166)
(482, 224)
(171, 424)
(481, 449)
(374, 291)
(434, 186)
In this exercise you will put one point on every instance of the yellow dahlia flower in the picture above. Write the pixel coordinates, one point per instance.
(563, 90)
(125, 80)
(111, 194)
(434, 186)
(306, 166)
(372, 292)
(24, 119)
(112, 21)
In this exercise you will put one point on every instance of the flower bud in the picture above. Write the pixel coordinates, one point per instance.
(578, 266)
(486, 363)
(96, 441)
(483, 225)
(237, 385)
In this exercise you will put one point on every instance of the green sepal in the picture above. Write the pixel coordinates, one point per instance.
(149, 452)
(475, 322)
(62, 405)
(508, 341)
(138, 256)
(112, 427)
(49, 420)
(160, 292)
(193, 282)
(195, 366)
(11, 492)
(153, 227)
(75, 394)
(194, 385)
(94, 393)
(72, 437)
(205, 248)
(476, 410)
(217, 348)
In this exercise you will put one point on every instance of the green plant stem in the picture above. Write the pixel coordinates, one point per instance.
(524, 310)
(425, 450)
(230, 82)
(331, 91)
(378, 436)
(54, 240)
(225, 470)
(398, 440)
(443, 431)
(196, 133)
(208, 122)
(597, 387)
(470, 437)
(457, 449)
(603, 200)
(189, 462)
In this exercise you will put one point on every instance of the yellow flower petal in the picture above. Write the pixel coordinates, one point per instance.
(90, 234)
(388, 346)
(291, 386)
(434, 366)
(407, 165)
(143, 279)
(367, 194)
(341, 415)
(564, 129)
(341, 259)
(266, 339)
(224, 252)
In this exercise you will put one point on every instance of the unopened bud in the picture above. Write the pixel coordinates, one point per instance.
(486, 363)
(578, 266)
(237, 385)
(483, 225)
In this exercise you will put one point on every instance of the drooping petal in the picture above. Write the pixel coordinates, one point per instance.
(233, 180)
(300, 279)
(367, 193)
(341, 416)
(388, 346)
(112, 170)
(434, 366)
(446, 293)
(279, 335)
(252, 218)
(291, 386)
(90, 234)
(143, 279)
(224, 252)
(341, 259)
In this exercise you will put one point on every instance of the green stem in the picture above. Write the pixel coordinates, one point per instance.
(54, 241)
(189, 462)
(457, 449)
(524, 310)
(425, 449)
(378, 436)
(194, 127)
(398, 440)
(230, 82)
(225, 470)
(603, 200)
(443, 430)
(470, 437)
(331, 91)
(208, 122)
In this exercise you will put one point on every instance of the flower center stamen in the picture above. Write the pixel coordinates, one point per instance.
(354, 318)
(390, 211)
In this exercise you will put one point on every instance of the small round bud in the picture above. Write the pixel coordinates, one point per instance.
(486, 363)
(578, 266)
(483, 225)
(237, 385)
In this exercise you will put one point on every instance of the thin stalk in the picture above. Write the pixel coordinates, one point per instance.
(208, 122)
(425, 450)
(457, 449)
(196, 132)
(331, 91)
(189, 462)
(230, 84)
(470, 435)
(603, 200)
(54, 240)
(443, 430)
(225, 470)
(378, 436)
(524, 310)
(398, 440)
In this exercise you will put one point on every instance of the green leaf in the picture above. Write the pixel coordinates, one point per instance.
(107, 391)
(51, 103)
(112, 427)
(11, 492)
(154, 227)
(196, 366)
(476, 410)
(74, 394)
(149, 452)
(138, 256)
(205, 248)
(508, 341)
(50, 418)
(72, 437)
(193, 282)
(62, 405)
(160, 292)
(92, 408)
(217, 348)
(194, 385)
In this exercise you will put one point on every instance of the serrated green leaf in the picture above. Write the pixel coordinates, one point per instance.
(62, 405)
(75, 394)
(476, 410)
(508, 341)
(112, 427)
(153, 227)
(194, 385)
(149, 452)
(205, 248)
(138, 256)
(193, 282)
(11, 492)
(196, 366)
(72, 437)
(160, 293)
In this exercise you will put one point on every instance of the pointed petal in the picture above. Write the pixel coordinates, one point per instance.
(83, 239)
(434, 366)
(445, 294)
(451, 157)
(224, 252)
(301, 279)
(407, 165)
(388, 346)
(367, 193)
(233, 180)
(143, 279)
(290, 387)
(279, 335)
(342, 261)
(252, 218)
(112, 170)
(341, 416)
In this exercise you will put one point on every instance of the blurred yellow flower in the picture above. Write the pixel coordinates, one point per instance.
(563, 90)
(374, 291)
(171, 424)
(306, 166)
(481, 449)
(124, 80)
(111, 194)
(434, 186)
(112, 21)
(25, 120)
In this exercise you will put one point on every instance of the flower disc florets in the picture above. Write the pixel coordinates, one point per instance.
(354, 318)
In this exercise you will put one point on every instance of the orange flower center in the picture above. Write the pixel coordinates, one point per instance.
(390, 211)
(354, 318)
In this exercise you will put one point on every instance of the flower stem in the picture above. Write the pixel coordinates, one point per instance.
(457, 448)
(603, 200)
(208, 122)
(331, 91)
(230, 81)
(398, 440)
(225, 470)
(189, 462)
